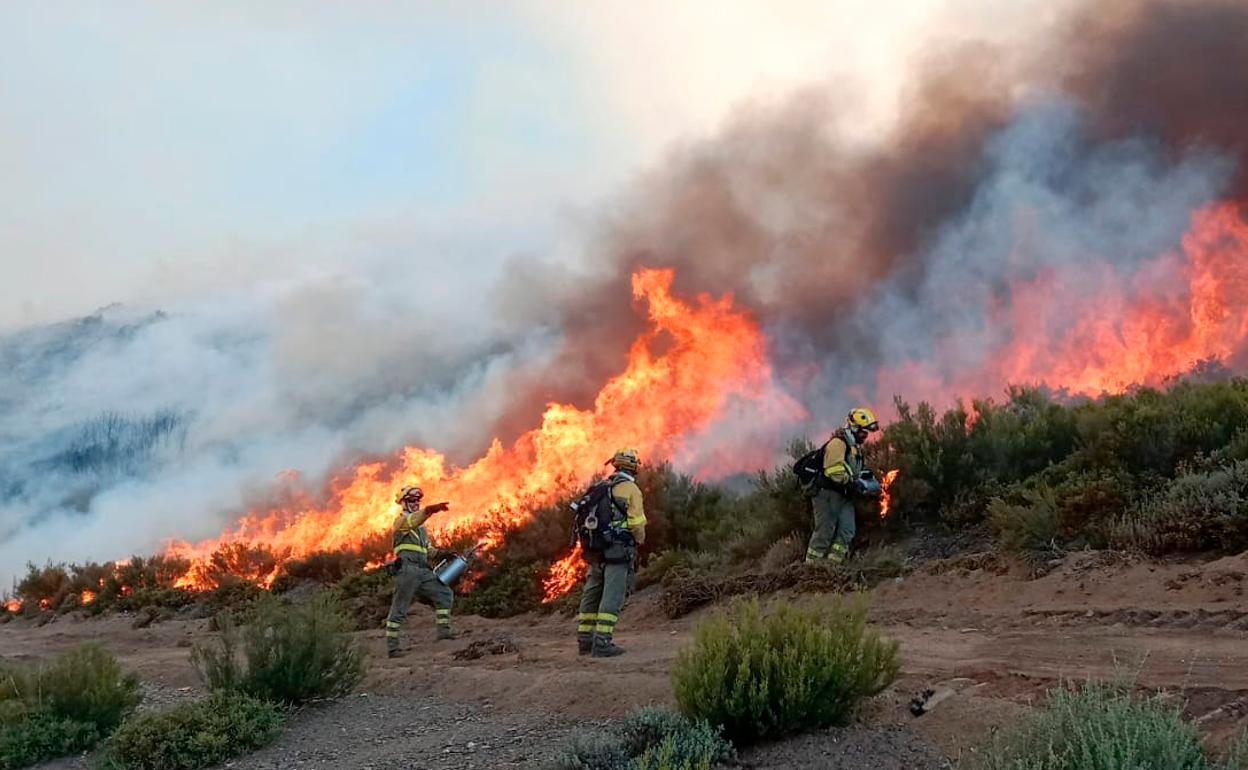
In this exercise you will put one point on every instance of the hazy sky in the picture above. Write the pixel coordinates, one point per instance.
(154, 150)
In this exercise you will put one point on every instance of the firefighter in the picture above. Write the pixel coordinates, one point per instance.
(413, 576)
(610, 570)
(833, 502)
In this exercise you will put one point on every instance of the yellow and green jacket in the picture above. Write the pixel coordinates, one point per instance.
(627, 496)
(411, 539)
(842, 459)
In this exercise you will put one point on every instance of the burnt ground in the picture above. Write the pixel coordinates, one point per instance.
(984, 629)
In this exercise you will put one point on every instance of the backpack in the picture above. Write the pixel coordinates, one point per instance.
(595, 512)
(809, 467)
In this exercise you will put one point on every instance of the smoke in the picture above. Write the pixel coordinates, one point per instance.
(1027, 203)
(1018, 184)
(124, 429)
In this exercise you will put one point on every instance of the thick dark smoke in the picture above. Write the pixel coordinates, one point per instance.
(1174, 71)
(841, 249)
(1092, 145)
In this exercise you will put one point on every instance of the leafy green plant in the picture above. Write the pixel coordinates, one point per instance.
(193, 735)
(1102, 726)
(62, 706)
(769, 673)
(1199, 510)
(41, 735)
(650, 738)
(287, 653)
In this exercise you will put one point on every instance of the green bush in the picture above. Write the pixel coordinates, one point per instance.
(41, 735)
(1101, 726)
(766, 674)
(1199, 510)
(287, 653)
(1030, 525)
(650, 738)
(193, 735)
(62, 706)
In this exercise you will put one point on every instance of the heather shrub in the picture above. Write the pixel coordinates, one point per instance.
(1102, 726)
(286, 654)
(1197, 511)
(41, 735)
(650, 738)
(1028, 525)
(62, 706)
(766, 673)
(193, 735)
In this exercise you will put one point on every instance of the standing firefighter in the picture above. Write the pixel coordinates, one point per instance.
(610, 524)
(413, 577)
(837, 476)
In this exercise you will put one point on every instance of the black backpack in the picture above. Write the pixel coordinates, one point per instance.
(809, 468)
(595, 511)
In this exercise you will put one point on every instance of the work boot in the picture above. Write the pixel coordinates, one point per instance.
(584, 644)
(445, 632)
(605, 648)
(396, 653)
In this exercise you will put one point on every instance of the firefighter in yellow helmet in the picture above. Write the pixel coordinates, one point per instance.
(611, 523)
(412, 575)
(840, 482)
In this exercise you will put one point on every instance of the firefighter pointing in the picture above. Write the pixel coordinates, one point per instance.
(610, 524)
(413, 577)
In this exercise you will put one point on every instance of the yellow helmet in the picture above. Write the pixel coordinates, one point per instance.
(862, 418)
(409, 493)
(626, 460)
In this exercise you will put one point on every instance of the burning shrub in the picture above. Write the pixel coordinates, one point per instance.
(286, 653)
(193, 735)
(238, 562)
(650, 738)
(62, 706)
(765, 674)
(44, 587)
(1101, 726)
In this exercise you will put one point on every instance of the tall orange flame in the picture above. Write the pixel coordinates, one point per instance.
(1183, 308)
(681, 375)
(886, 498)
(564, 574)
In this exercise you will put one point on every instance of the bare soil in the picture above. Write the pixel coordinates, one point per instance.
(982, 627)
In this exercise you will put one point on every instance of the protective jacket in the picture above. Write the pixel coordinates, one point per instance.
(411, 540)
(842, 459)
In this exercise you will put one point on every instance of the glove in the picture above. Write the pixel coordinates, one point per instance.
(858, 488)
(437, 508)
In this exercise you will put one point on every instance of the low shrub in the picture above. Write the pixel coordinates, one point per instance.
(650, 738)
(286, 653)
(769, 673)
(86, 684)
(41, 735)
(63, 706)
(1200, 510)
(1101, 726)
(193, 735)
(1028, 525)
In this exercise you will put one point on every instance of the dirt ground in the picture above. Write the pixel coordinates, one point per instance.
(986, 631)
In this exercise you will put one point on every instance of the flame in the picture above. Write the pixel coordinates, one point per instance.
(564, 574)
(885, 495)
(87, 597)
(694, 361)
(13, 605)
(44, 604)
(1181, 309)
